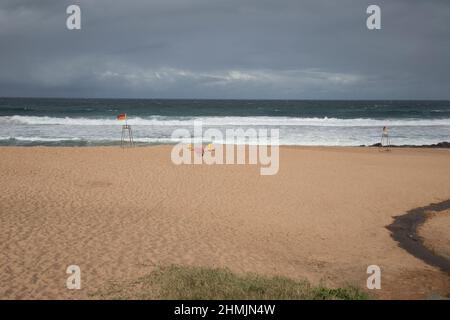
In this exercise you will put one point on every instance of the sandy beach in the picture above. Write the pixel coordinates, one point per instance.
(119, 213)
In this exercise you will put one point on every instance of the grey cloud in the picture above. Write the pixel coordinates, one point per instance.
(226, 49)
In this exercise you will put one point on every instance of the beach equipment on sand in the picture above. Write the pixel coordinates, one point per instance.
(201, 150)
(126, 131)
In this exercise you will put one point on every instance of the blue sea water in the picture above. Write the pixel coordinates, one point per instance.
(81, 122)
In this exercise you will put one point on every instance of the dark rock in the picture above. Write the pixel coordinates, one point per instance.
(444, 144)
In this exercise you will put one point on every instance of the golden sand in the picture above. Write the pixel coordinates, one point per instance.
(119, 213)
(436, 233)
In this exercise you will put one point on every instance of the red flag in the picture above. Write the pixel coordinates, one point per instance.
(122, 116)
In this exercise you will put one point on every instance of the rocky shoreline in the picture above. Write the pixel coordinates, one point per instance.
(444, 144)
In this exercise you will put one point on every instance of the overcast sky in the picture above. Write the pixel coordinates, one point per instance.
(288, 49)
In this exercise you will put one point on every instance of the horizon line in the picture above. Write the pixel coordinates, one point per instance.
(218, 99)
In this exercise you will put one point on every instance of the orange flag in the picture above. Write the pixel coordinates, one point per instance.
(122, 116)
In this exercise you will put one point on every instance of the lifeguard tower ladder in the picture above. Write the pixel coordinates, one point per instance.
(127, 134)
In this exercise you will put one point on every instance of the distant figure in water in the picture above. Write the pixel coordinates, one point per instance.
(385, 140)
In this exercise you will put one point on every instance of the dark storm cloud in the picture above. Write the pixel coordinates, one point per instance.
(226, 49)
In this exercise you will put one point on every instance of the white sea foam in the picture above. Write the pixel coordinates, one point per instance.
(224, 121)
(37, 139)
(157, 129)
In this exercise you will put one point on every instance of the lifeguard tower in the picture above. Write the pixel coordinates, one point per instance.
(385, 139)
(127, 133)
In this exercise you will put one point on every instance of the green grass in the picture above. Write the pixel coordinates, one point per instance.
(180, 282)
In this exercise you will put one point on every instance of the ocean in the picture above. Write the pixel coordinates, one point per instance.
(90, 122)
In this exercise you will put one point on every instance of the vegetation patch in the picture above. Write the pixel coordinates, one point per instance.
(182, 282)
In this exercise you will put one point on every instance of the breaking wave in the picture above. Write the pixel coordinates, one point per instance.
(223, 121)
